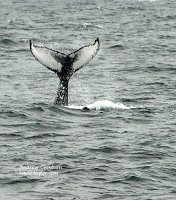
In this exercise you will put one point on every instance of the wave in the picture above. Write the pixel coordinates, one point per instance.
(117, 46)
(22, 181)
(7, 42)
(90, 25)
(148, 0)
(100, 105)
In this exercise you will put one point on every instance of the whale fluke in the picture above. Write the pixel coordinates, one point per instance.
(49, 58)
(64, 65)
(84, 55)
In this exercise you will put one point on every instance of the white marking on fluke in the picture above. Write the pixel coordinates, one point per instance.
(47, 57)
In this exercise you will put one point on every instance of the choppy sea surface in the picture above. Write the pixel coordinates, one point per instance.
(124, 147)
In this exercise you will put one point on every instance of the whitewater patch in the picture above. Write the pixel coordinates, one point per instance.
(100, 105)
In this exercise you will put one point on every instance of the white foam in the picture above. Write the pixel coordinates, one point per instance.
(101, 105)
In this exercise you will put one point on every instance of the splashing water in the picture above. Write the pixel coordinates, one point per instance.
(101, 105)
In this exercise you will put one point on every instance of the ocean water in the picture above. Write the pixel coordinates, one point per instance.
(124, 147)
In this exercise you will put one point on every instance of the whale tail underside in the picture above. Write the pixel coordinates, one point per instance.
(62, 64)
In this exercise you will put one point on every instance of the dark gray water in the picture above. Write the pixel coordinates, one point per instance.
(125, 147)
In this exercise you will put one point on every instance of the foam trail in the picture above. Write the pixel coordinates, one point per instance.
(101, 105)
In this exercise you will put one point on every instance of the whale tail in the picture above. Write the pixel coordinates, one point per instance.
(64, 65)
(61, 63)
